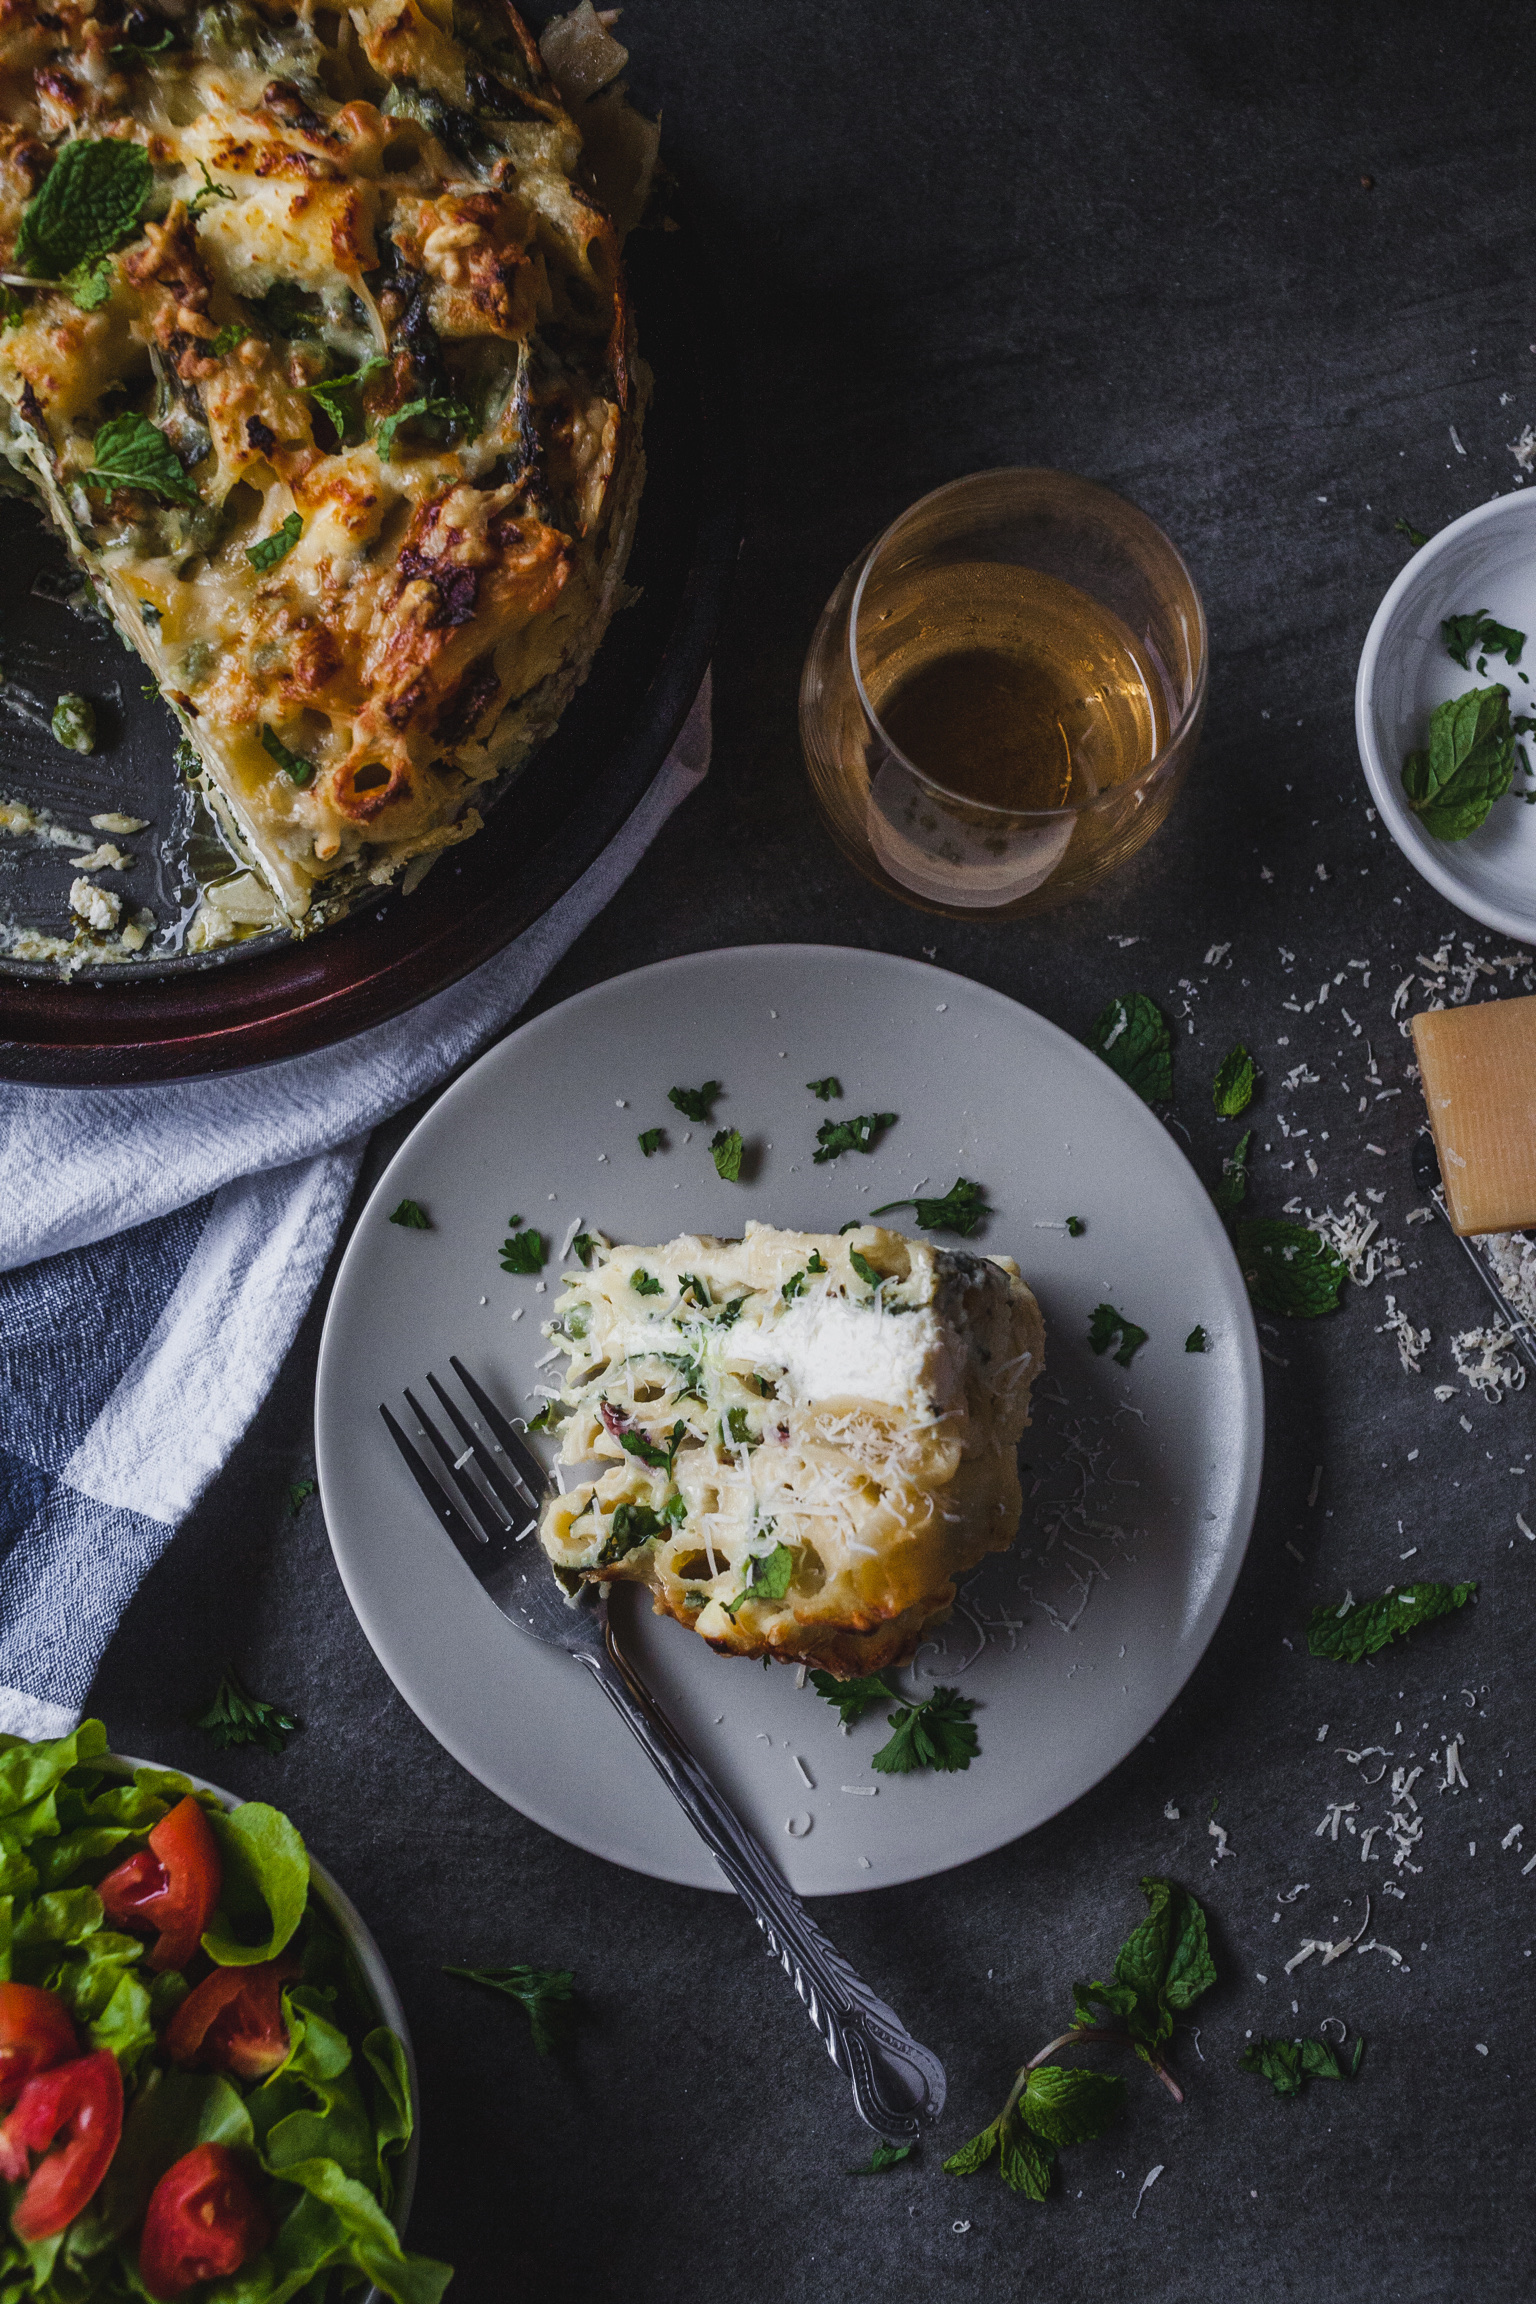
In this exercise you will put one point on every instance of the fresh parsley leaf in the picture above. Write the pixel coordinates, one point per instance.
(675, 1509)
(1415, 536)
(545, 1993)
(726, 1146)
(299, 1493)
(1232, 1091)
(883, 2157)
(270, 549)
(294, 766)
(233, 333)
(584, 1247)
(630, 1526)
(853, 1698)
(1133, 1038)
(794, 1286)
(1469, 764)
(133, 453)
(1285, 2064)
(1346, 1635)
(338, 396)
(1197, 1340)
(651, 1140)
(236, 1717)
(1160, 1970)
(694, 1103)
(835, 1137)
(1075, 1227)
(1232, 1188)
(1478, 633)
(1106, 1324)
(432, 412)
(963, 1208)
(644, 1283)
(92, 199)
(768, 1574)
(412, 1215)
(523, 1251)
(211, 191)
(659, 1459)
(865, 1270)
(826, 1089)
(1289, 1268)
(934, 1734)
(737, 1426)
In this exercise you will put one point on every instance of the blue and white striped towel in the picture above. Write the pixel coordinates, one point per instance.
(158, 1249)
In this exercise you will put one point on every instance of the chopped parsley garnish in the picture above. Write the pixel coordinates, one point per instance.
(1105, 1324)
(1478, 634)
(651, 1140)
(692, 1286)
(236, 1717)
(694, 1103)
(544, 1992)
(795, 1285)
(232, 334)
(92, 199)
(1232, 1189)
(1287, 2063)
(963, 1208)
(826, 1089)
(865, 1270)
(884, 2156)
(1075, 1227)
(1232, 1090)
(853, 1698)
(631, 1526)
(1470, 763)
(659, 1459)
(815, 1263)
(934, 1734)
(339, 397)
(293, 764)
(74, 722)
(584, 1247)
(1133, 1038)
(522, 1251)
(675, 1509)
(644, 1283)
(552, 1413)
(726, 1147)
(211, 190)
(1197, 1340)
(433, 412)
(133, 453)
(1289, 1268)
(834, 1137)
(267, 552)
(737, 1426)
(1346, 1635)
(412, 1215)
(1415, 536)
(768, 1574)
(299, 1493)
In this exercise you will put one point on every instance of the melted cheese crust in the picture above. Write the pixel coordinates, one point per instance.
(399, 184)
(770, 1418)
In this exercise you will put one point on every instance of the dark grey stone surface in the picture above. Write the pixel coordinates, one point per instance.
(1135, 243)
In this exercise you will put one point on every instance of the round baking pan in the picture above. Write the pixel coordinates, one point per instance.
(184, 1016)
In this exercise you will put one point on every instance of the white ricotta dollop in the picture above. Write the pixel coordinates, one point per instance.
(831, 1347)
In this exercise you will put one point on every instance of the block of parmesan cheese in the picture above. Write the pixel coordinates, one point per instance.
(1478, 1067)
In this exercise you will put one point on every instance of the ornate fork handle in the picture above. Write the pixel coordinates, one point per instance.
(897, 2083)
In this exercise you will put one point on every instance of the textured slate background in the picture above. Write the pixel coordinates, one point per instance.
(1135, 243)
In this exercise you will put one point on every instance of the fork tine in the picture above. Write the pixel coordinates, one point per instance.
(480, 1510)
(525, 1464)
(510, 1497)
(447, 1513)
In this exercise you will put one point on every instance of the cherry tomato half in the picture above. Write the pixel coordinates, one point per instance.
(35, 2032)
(233, 2021)
(203, 2220)
(172, 1885)
(77, 2110)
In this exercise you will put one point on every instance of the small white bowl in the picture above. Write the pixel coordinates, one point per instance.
(1485, 560)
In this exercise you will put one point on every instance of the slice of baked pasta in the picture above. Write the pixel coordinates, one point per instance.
(808, 1435)
(317, 351)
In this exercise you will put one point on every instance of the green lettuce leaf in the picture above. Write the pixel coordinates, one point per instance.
(266, 1885)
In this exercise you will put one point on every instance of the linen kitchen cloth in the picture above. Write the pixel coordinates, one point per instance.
(158, 1249)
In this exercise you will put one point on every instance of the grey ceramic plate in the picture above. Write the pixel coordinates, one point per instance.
(1142, 1483)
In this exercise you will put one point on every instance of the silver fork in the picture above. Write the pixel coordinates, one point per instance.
(897, 2084)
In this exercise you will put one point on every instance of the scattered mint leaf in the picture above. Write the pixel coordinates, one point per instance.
(92, 199)
(736, 1425)
(651, 1140)
(545, 1993)
(1075, 1227)
(270, 549)
(694, 1103)
(1285, 2064)
(659, 1459)
(1415, 536)
(1469, 764)
(1133, 1038)
(1347, 1635)
(826, 1089)
(1106, 1324)
(853, 1698)
(133, 453)
(644, 1283)
(412, 1215)
(795, 1285)
(431, 412)
(865, 1270)
(1232, 1188)
(1232, 1091)
(726, 1147)
(963, 1208)
(236, 1717)
(339, 396)
(1289, 1268)
(294, 766)
(523, 1251)
(299, 1493)
(1160, 1970)
(883, 2157)
(835, 1137)
(768, 1574)
(1071, 2107)
(1464, 635)
(1197, 1340)
(74, 722)
(934, 1734)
